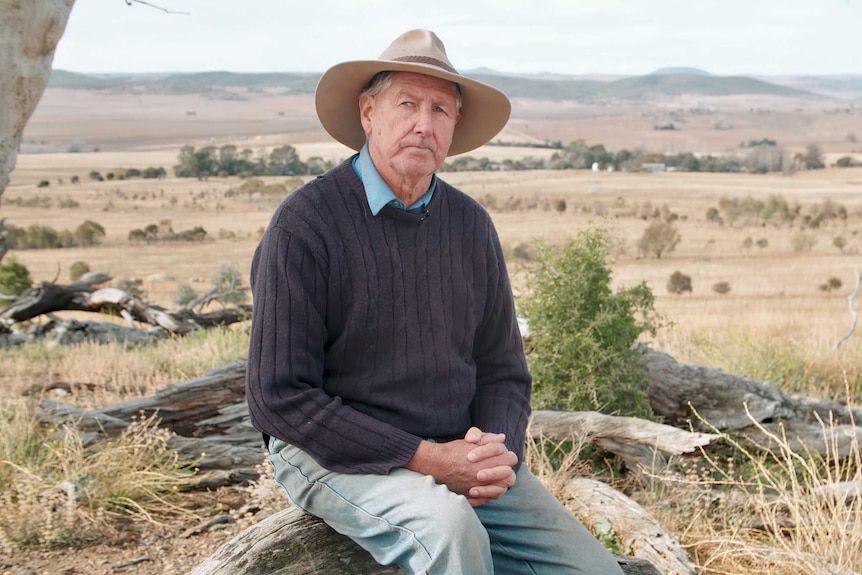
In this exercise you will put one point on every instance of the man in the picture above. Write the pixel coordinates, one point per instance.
(386, 369)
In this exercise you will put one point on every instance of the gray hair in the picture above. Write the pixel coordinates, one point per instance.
(382, 80)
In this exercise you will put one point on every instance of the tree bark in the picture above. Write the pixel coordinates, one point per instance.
(617, 517)
(50, 298)
(29, 33)
(292, 543)
(707, 398)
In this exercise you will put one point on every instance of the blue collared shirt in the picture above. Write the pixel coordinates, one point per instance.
(378, 191)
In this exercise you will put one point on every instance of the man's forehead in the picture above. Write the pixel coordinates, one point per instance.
(405, 80)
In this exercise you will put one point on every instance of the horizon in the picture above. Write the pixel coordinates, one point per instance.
(481, 70)
(541, 37)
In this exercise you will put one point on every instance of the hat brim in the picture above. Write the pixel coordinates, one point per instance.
(484, 109)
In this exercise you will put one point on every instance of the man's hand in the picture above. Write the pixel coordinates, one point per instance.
(497, 481)
(480, 466)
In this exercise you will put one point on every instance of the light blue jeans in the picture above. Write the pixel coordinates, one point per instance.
(407, 519)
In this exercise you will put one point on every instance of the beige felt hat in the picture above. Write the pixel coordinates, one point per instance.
(484, 109)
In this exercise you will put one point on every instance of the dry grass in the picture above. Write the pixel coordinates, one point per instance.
(748, 509)
(55, 488)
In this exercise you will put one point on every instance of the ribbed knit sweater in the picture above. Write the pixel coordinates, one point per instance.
(370, 333)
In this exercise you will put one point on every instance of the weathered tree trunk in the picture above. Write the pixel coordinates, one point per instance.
(29, 33)
(292, 543)
(726, 401)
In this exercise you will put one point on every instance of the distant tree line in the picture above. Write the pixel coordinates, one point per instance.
(226, 161)
(37, 236)
(756, 156)
(759, 156)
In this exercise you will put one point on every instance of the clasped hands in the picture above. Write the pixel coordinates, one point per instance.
(480, 466)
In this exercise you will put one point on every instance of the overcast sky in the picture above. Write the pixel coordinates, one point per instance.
(770, 37)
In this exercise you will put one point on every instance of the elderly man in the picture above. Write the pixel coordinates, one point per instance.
(386, 369)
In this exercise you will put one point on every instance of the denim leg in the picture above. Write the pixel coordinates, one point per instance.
(532, 533)
(403, 518)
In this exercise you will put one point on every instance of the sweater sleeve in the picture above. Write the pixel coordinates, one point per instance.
(503, 382)
(286, 370)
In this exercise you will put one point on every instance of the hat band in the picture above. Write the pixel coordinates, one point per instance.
(427, 60)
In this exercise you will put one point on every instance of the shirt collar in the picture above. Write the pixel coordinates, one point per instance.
(377, 191)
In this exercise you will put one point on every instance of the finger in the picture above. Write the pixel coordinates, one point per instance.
(502, 475)
(474, 435)
(488, 451)
(487, 491)
(492, 438)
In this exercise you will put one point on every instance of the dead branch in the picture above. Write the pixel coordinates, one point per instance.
(4, 247)
(640, 443)
(853, 315)
(130, 2)
(82, 295)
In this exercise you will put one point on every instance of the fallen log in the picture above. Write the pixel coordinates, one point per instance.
(211, 410)
(615, 516)
(48, 298)
(725, 401)
(642, 444)
(290, 542)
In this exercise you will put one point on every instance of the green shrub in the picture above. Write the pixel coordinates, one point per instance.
(34, 237)
(184, 296)
(14, 278)
(132, 287)
(77, 269)
(228, 282)
(582, 334)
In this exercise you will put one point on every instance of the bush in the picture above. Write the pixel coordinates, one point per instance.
(679, 282)
(580, 349)
(34, 237)
(721, 288)
(132, 287)
(228, 282)
(89, 233)
(184, 296)
(803, 243)
(43, 184)
(14, 278)
(659, 238)
(832, 283)
(77, 269)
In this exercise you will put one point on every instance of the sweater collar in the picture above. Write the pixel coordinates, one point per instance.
(377, 191)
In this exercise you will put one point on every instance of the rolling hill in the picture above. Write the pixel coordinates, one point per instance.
(665, 83)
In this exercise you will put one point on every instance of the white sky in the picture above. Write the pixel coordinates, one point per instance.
(771, 37)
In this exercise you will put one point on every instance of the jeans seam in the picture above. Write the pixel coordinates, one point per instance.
(323, 484)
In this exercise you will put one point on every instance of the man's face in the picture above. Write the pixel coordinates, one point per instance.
(410, 125)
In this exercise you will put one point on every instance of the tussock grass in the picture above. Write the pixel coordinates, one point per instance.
(55, 490)
(56, 487)
(805, 363)
(745, 508)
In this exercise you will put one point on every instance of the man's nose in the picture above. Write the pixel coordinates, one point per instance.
(424, 120)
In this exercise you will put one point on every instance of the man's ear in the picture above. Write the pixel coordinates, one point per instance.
(366, 106)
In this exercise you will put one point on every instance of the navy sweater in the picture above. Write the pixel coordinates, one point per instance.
(370, 333)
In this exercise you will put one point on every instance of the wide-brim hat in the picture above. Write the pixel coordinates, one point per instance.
(484, 109)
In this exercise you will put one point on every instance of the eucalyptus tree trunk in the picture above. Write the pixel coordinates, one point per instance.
(29, 33)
